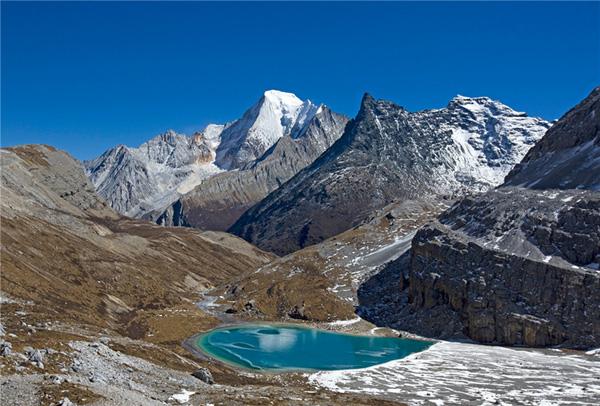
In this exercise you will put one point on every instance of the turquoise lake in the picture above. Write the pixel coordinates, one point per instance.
(275, 347)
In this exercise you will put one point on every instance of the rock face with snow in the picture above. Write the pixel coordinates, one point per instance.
(387, 153)
(135, 180)
(514, 266)
(272, 141)
(218, 202)
(565, 162)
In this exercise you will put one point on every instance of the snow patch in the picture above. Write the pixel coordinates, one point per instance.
(183, 397)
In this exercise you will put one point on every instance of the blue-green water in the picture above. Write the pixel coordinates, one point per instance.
(273, 347)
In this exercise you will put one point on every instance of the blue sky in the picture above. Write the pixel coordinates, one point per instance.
(86, 76)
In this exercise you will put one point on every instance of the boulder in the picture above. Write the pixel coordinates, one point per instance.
(5, 348)
(204, 375)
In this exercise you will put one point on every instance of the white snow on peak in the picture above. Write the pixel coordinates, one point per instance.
(282, 98)
(275, 115)
(211, 135)
(488, 138)
(483, 105)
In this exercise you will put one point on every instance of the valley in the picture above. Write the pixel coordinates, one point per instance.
(433, 245)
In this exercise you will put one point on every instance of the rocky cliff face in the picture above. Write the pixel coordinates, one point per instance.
(219, 201)
(568, 157)
(512, 266)
(387, 153)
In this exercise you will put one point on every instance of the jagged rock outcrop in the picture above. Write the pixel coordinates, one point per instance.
(515, 266)
(387, 153)
(204, 375)
(565, 162)
(219, 201)
(136, 180)
(511, 267)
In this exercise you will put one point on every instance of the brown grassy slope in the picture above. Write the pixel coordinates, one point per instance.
(64, 249)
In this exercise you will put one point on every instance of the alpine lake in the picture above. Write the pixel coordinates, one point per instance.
(280, 348)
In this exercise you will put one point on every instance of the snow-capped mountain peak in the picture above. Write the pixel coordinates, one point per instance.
(275, 115)
(138, 180)
(483, 105)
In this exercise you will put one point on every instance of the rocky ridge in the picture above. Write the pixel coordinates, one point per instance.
(387, 153)
(565, 162)
(135, 180)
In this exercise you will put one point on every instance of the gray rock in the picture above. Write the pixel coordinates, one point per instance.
(65, 402)
(5, 348)
(388, 154)
(297, 312)
(36, 357)
(55, 379)
(204, 375)
(568, 157)
(512, 267)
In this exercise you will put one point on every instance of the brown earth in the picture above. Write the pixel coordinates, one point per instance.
(72, 270)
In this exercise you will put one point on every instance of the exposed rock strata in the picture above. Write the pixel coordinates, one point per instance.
(512, 267)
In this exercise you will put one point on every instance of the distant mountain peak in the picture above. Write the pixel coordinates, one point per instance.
(483, 105)
(275, 115)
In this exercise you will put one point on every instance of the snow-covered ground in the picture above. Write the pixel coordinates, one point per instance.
(451, 373)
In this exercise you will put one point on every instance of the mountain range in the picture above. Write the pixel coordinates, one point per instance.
(389, 154)
(472, 222)
(272, 178)
(146, 181)
(514, 265)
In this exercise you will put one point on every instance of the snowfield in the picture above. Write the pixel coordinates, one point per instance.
(450, 373)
